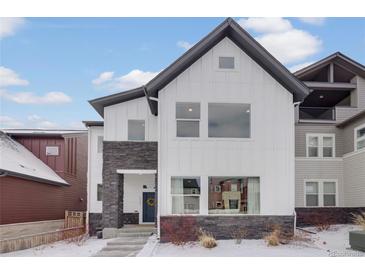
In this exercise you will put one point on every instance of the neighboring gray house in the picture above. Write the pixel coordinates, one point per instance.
(226, 137)
(330, 140)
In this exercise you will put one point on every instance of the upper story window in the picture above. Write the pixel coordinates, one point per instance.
(320, 145)
(359, 137)
(229, 120)
(320, 193)
(100, 144)
(187, 119)
(136, 130)
(226, 62)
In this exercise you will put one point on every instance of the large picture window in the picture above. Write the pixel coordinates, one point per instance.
(320, 145)
(229, 120)
(185, 193)
(360, 137)
(234, 195)
(187, 119)
(320, 193)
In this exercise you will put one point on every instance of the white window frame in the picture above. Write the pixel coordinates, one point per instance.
(190, 195)
(320, 137)
(191, 120)
(356, 139)
(320, 191)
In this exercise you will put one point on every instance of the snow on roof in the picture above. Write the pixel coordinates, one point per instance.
(16, 160)
(41, 131)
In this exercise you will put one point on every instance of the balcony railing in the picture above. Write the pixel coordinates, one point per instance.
(317, 113)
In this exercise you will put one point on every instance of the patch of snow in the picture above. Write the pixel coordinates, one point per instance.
(149, 247)
(86, 248)
(333, 242)
(15, 158)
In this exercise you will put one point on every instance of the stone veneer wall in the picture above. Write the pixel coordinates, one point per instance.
(131, 218)
(331, 215)
(122, 155)
(95, 223)
(222, 227)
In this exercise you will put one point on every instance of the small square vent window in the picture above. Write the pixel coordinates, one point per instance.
(52, 151)
(226, 62)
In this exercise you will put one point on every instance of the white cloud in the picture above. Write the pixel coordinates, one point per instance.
(279, 37)
(33, 118)
(103, 77)
(184, 44)
(53, 97)
(9, 25)
(317, 21)
(9, 77)
(77, 125)
(300, 66)
(266, 24)
(9, 122)
(46, 124)
(133, 79)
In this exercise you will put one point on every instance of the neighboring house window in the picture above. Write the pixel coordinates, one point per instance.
(52, 151)
(99, 194)
(238, 195)
(100, 144)
(187, 119)
(229, 120)
(185, 193)
(320, 145)
(70, 155)
(226, 62)
(359, 137)
(320, 193)
(136, 130)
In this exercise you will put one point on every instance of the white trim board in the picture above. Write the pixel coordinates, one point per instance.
(136, 171)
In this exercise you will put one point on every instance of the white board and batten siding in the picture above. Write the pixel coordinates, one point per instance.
(269, 153)
(116, 120)
(95, 169)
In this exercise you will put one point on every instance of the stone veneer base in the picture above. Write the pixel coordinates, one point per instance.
(331, 215)
(222, 227)
(95, 223)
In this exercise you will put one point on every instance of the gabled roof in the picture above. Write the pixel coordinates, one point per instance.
(337, 58)
(17, 161)
(228, 28)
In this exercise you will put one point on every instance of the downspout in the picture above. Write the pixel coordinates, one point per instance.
(88, 178)
(296, 104)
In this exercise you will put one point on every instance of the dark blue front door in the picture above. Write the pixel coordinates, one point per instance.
(148, 207)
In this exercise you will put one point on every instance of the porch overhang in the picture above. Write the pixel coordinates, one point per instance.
(136, 171)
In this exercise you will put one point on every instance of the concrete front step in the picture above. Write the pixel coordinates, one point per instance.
(123, 247)
(116, 253)
(138, 229)
(129, 241)
(120, 233)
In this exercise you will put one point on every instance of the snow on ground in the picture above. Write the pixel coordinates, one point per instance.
(333, 242)
(86, 248)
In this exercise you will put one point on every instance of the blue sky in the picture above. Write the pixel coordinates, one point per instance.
(50, 67)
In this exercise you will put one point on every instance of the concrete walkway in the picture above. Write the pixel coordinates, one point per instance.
(129, 241)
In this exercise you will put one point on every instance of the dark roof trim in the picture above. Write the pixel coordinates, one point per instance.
(31, 178)
(228, 28)
(330, 86)
(353, 118)
(337, 57)
(93, 123)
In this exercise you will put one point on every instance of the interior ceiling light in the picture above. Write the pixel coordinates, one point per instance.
(321, 96)
(190, 109)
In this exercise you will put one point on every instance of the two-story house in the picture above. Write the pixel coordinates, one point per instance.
(216, 141)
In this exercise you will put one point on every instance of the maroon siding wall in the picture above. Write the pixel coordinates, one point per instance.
(37, 145)
(29, 201)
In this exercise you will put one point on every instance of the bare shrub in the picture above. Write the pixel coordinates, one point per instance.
(239, 234)
(320, 222)
(206, 239)
(273, 239)
(180, 232)
(359, 219)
